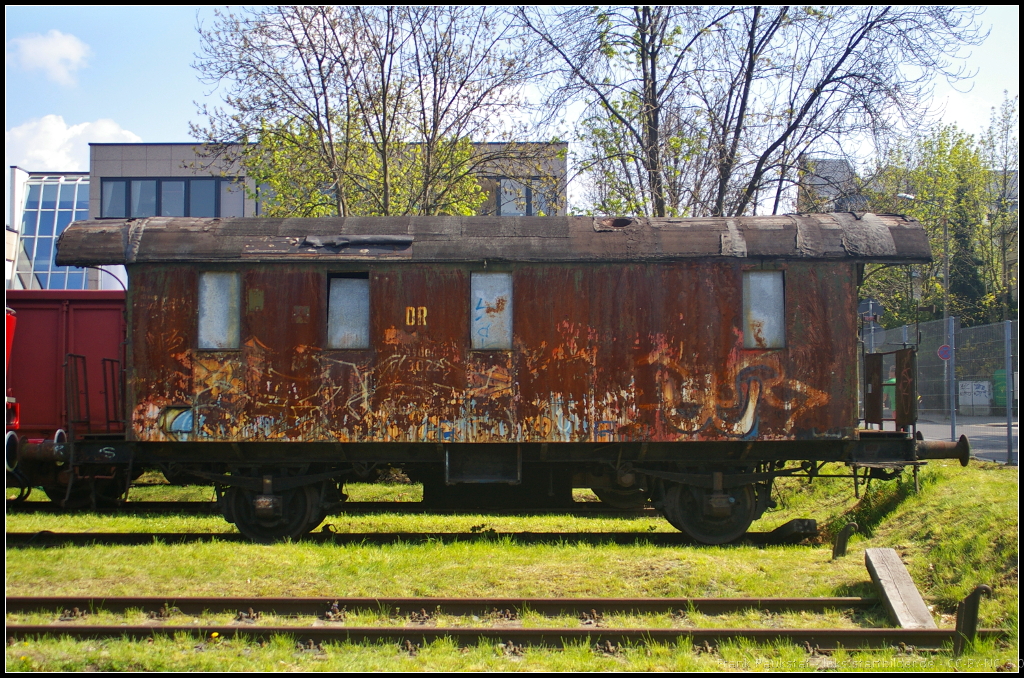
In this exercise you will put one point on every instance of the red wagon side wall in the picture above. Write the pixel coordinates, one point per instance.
(52, 324)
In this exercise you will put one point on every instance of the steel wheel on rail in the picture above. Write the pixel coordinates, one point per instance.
(108, 492)
(300, 512)
(329, 497)
(687, 509)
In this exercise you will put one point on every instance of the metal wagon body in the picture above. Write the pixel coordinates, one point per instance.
(684, 361)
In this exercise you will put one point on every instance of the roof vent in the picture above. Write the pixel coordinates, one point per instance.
(613, 222)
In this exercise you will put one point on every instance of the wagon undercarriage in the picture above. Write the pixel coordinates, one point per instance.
(712, 491)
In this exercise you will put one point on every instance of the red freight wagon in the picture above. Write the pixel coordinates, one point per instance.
(684, 361)
(53, 324)
(65, 369)
(12, 403)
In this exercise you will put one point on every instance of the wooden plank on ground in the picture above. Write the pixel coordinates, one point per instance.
(897, 590)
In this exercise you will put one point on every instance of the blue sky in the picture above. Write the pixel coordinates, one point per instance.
(81, 74)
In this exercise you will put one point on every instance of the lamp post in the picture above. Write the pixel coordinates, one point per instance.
(950, 365)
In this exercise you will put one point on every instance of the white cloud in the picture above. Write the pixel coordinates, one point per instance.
(970, 111)
(57, 54)
(47, 144)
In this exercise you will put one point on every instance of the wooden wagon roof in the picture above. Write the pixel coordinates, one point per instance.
(864, 237)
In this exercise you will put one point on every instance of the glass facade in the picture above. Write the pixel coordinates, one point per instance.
(51, 203)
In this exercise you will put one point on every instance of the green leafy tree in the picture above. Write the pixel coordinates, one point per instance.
(1000, 148)
(291, 177)
(292, 180)
(955, 189)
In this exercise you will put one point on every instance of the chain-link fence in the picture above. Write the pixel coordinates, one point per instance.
(962, 382)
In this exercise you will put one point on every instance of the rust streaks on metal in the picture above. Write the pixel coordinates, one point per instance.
(602, 353)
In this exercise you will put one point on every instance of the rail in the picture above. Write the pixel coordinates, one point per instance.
(419, 613)
(45, 538)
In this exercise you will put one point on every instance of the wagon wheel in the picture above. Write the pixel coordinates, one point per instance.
(621, 499)
(686, 507)
(178, 474)
(299, 514)
(332, 497)
(108, 492)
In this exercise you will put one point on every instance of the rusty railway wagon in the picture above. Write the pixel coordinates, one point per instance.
(686, 362)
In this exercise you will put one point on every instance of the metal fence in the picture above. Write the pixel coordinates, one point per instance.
(966, 393)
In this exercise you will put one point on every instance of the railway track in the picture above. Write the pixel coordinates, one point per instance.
(328, 624)
(319, 606)
(793, 532)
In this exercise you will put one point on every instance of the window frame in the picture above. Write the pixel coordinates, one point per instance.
(749, 343)
(474, 310)
(529, 183)
(38, 212)
(349, 275)
(238, 307)
(127, 182)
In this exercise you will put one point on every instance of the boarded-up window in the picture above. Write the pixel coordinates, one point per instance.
(219, 310)
(348, 312)
(491, 311)
(764, 309)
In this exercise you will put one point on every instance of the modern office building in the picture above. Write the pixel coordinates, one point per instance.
(139, 180)
(828, 185)
(530, 182)
(177, 179)
(170, 180)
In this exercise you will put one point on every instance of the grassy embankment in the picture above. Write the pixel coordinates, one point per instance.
(960, 530)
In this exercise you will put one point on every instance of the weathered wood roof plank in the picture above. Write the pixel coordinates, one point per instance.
(866, 237)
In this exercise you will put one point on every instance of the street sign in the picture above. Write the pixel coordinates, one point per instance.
(945, 352)
(870, 310)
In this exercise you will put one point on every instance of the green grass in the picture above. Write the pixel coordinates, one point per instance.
(960, 530)
(185, 653)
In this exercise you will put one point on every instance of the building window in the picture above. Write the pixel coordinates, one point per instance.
(172, 198)
(523, 197)
(491, 311)
(219, 310)
(232, 199)
(148, 197)
(764, 309)
(203, 198)
(114, 199)
(348, 311)
(143, 198)
(51, 203)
